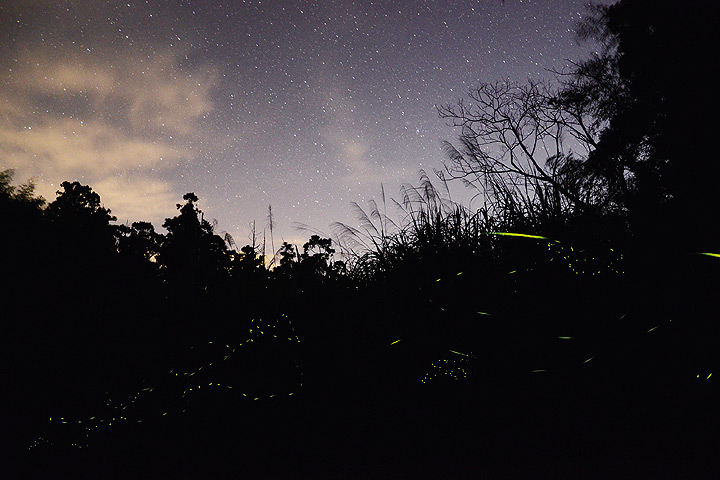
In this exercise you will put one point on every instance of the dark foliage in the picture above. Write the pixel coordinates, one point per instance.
(645, 89)
(565, 329)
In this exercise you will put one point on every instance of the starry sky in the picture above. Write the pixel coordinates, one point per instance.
(303, 105)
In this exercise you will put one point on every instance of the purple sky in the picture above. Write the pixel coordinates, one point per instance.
(302, 105)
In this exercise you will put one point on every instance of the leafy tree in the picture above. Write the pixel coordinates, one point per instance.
(21, 196)
(317, 255)
(248, 269)
(644, 93)
(139, 240)
(23, 250)
(192, 254)
(21, 212)
(316, 259)
(289, 258)
(80, 225)
(79, 206)
(249, 260)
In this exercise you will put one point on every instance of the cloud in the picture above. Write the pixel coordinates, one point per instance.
(170, 104)
(355, 159)
(134, 199)
(59, 77)
(354, 151)
(345, 136)
(71, 147)
(99, 117)
(138, 92)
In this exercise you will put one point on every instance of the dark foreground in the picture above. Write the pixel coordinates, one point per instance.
(549, 427)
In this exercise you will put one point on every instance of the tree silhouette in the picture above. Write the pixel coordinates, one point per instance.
(22, 195)
(139, 241)
(83, 223)
(643, 90)
(525, 153)
(289, 258)
(78, 205)
(317, 255)
(22, 216)
(619, 140)
(248, 260)
(192, 254)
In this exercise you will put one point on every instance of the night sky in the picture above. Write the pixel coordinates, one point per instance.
(303, 105)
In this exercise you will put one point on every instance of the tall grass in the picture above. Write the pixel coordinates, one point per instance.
(429, 227)
(556, 295)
